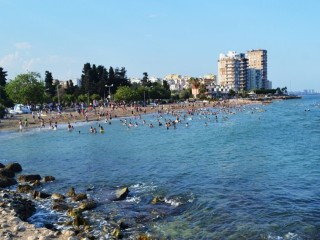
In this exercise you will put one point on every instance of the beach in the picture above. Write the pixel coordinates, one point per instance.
(11, 123)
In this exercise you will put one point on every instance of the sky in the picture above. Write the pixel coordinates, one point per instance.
(160, 37)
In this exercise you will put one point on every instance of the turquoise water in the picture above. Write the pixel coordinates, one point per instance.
(250, 175)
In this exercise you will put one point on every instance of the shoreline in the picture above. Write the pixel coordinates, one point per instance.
(11, 124)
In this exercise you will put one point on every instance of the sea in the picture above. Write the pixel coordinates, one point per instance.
(252, 172)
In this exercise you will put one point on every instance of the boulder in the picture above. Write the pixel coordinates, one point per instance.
(57, 196)
(49, 178)
(23, 208)
(35, 183)
(24, 189)
(79, 197)
(6, 182)
(1, 165)
(37, 194)
(14, 167)
(29, 178)
(60, 205)
(6, 172)
(71, 192)
(121, 194)
(87, 205)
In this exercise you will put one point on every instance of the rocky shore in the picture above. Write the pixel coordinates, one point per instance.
(18, 205)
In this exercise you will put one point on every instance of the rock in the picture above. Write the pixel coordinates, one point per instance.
(60, 205)
(35, 183)
(14, 167)
(121, 194)
(79, 197)
(29, 178)
(6, 182)
(49, 178)
(24, 189)
(144, 237)
(23, 208)
(87, 205)
(79, 220)
(6, 173)
(71, 192)
(157, 199)
(2, 166)
(68, 233)
(116, 233)
(57, 196)
(37, 194)
(74, 212)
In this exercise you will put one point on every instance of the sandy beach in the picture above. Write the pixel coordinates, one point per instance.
(70, 115)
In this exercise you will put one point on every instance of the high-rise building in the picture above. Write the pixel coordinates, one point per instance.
(232, 70)
(257, 60)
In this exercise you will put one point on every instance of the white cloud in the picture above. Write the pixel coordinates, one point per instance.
(9, 60)
(22, 45)
(28, 65)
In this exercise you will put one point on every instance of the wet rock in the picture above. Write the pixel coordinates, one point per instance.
(37, 194)
(6, 173)
(121, 194)
(157, 199)
(35, 183)
(57, 196)
(29, 178)
(60, 205)
(144, 237)
(79, 220)
(1, 165)
(116, 233)
(79, 197)
(14, 167)
(87, 205)
(71, 192)
(23, 208)
(74, 212)
(6, 182)
(49, 178)
(24, 189)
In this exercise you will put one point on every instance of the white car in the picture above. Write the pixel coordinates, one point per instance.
(20, 109)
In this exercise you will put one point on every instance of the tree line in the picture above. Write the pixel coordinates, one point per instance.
(96, 83)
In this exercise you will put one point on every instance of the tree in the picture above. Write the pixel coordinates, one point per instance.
(145, 79)
(185, 94)
(26, 89)
(3, 77)
(3, 95)
(48, 81)
(124, 93)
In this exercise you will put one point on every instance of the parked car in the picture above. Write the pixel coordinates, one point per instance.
(20, 109)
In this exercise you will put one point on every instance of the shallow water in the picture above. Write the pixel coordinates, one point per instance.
(251, 175)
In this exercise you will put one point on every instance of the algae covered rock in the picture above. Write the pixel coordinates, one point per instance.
(87, 205)
(121, 194)
(6, 182)
(14, 167)
(71, 192)
(29, 178)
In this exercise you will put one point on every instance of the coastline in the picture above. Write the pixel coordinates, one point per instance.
(13, 227)
(11, 124)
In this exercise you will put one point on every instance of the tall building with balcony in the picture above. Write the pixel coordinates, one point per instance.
(232, 70)
(257, 60)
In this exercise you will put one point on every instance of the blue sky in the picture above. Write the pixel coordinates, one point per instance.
(160, 36)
